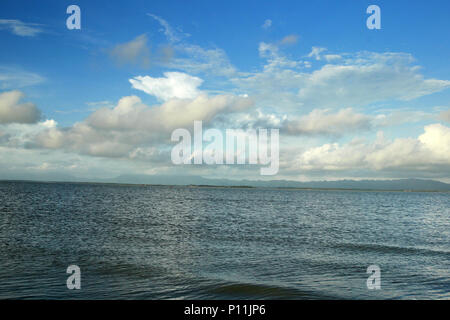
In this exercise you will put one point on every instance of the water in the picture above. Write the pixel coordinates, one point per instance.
(162, 242)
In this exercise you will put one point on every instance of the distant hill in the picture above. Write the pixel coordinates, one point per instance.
(396, 184)
(400, 184)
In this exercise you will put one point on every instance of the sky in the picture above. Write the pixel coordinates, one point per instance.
(102, 101)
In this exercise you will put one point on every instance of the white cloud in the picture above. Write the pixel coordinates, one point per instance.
(275, 59)
(174, 85)
(315, 52)
(437, 139)
(248, 120)
(130, 113)
(171, 34)
(199, 60)
(11, 111)
(377, 77)
(284, 90)
(21, 135)
(192, 58)
(86, 140)
(321, 121)
(429, 153)
(267, 24)
(13, 78)
(317, 122)
(355, 81)
(398, 116)
(131, 124)
(134, 52)
(332, 57)
(20, 28)
(100, 104)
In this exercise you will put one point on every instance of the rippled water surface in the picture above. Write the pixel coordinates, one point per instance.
(162, 242)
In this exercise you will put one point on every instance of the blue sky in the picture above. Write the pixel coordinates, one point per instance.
(310, 68)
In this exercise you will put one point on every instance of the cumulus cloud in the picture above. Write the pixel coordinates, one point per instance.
(83, 139)
(20, 28)
(134, 52)
(11, 111)
(131, 113)
(317, 122)
(131, 124)
(437, 139)
(430, 152)
(173, 85)
(21, 135)
(284, 90)
(321, 121)
(252, 119)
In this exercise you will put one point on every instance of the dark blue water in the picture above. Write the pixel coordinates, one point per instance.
(156, 242)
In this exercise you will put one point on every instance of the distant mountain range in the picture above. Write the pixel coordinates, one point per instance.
(397, 184)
